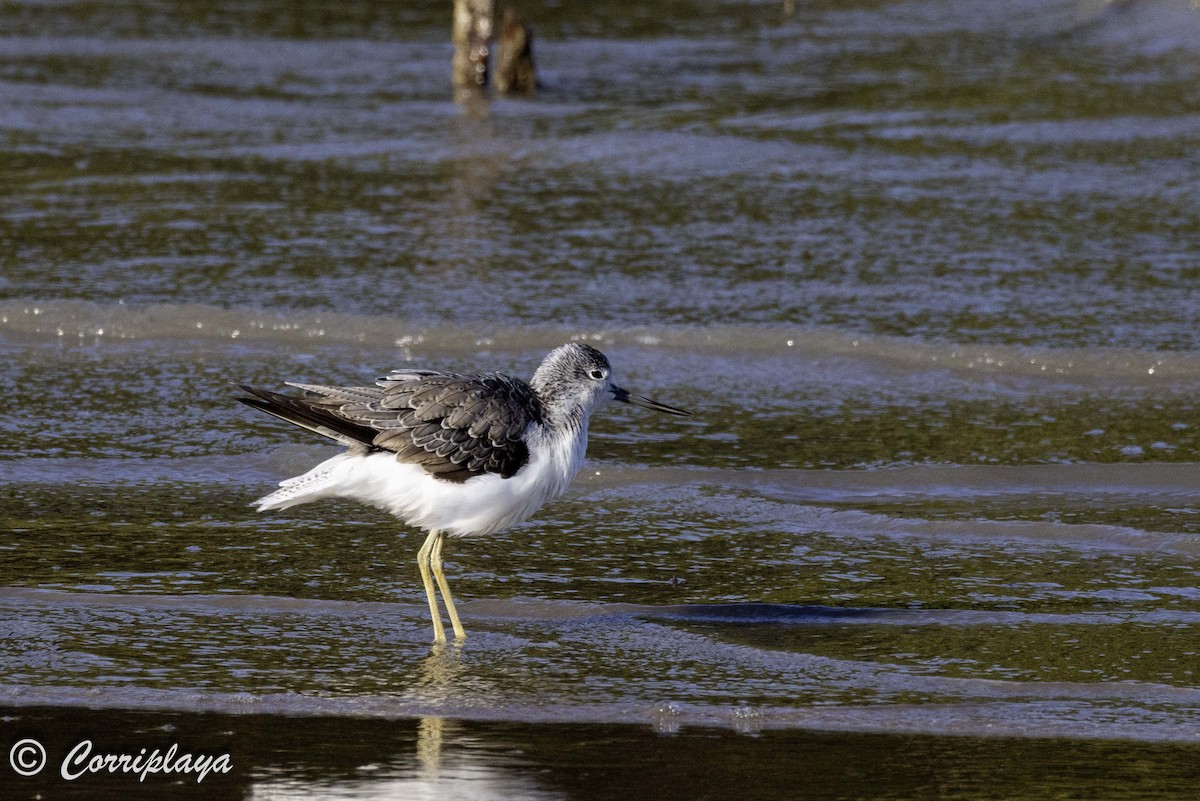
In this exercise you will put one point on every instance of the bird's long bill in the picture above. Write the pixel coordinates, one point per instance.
(625, 396)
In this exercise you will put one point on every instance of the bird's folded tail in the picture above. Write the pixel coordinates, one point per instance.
(320, 482)
(323, 480)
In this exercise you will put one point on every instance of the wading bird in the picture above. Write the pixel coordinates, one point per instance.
(455, 455)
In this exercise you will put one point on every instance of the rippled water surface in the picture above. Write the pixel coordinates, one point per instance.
(926, 272)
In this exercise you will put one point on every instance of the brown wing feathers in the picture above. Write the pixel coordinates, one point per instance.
(306, 415)
(454, 426)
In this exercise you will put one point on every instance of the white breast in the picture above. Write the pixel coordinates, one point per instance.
(480, 505)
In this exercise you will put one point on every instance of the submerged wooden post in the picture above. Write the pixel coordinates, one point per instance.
(514, 73)
(472, 36)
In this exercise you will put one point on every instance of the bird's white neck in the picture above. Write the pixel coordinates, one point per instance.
(563, 448)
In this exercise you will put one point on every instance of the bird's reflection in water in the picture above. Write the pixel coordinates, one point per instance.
(439, 676)
(431, 731)
(452, 760)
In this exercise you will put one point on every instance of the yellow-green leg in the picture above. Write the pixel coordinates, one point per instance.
(423, 562)
(435, 561)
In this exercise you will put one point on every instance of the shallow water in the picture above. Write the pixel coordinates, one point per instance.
(923, 271)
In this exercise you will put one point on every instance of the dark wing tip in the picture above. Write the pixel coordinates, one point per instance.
(297, 411)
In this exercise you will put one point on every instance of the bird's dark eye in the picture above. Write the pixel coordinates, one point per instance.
(596, 374)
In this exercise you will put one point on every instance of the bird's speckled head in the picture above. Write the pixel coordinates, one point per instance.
(575, 378)
(572, 380)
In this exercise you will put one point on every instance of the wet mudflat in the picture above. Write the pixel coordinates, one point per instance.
(923, 271)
